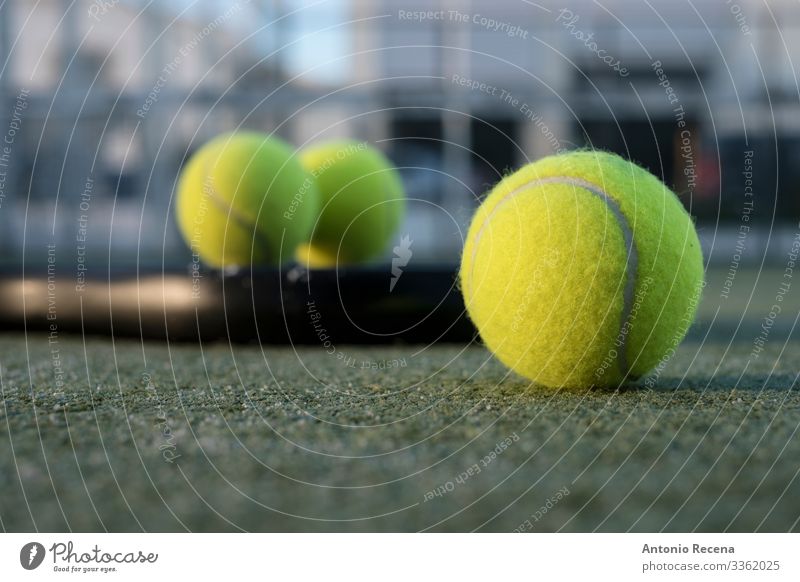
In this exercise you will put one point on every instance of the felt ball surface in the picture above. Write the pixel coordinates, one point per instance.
(362, 203)
(582, 269)
(245, 199)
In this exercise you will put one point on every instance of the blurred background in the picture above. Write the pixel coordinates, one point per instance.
(104, 100)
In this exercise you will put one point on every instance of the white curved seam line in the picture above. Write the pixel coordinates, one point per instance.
(631, 260)
(240, 219)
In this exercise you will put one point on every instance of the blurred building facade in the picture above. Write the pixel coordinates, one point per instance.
(103, 100)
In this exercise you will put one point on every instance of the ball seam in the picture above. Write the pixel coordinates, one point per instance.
(240, 219)
(631, 259)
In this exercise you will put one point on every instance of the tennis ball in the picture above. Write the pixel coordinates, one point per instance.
(361, 203)
(581, 269)
(244, 198)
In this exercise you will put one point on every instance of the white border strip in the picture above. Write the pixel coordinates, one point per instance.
(403, 557)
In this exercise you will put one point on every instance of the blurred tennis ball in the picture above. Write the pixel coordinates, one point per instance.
(361, 203)
(582, 269)
(245, 199)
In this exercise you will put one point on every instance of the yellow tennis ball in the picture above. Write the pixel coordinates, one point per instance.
(315, 256)
(582, 269)
(245, 199)
(361, 203)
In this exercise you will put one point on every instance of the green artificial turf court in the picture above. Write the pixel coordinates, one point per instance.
(171, 437)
